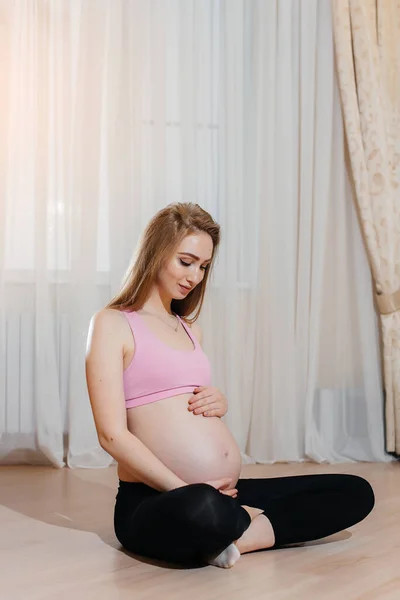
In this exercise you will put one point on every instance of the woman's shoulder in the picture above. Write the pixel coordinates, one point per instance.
(109, 323)
(106, 316)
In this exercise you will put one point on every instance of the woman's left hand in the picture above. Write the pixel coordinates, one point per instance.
(208, 401)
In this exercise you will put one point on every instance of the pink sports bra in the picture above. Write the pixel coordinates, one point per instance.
(158, 371)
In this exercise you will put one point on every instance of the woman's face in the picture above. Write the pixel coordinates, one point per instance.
(187, 266)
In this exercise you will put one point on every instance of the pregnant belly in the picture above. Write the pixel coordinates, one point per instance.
(194, 447)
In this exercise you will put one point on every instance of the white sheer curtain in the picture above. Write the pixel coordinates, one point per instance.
(112, 109)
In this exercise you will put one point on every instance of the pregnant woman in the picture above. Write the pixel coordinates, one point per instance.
(180, 498)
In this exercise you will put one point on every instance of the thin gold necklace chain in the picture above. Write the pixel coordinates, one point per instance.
(161, 319)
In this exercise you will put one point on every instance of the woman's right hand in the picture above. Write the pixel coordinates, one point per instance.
(222, 485)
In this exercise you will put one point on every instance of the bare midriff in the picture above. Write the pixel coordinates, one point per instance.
(194, 447)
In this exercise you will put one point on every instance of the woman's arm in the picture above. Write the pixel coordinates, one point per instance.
(104, 376)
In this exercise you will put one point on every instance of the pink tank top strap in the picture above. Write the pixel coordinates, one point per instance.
(187, 329)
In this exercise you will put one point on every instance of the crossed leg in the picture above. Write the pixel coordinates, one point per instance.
(197, 522)
(303, 508)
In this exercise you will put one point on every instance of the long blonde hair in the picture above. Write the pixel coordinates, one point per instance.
(160, 239)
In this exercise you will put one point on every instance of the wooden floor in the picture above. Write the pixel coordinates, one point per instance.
(57, 542)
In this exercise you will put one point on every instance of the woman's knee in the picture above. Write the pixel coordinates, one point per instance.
(202, 501)
(208, 509)
(361, 494)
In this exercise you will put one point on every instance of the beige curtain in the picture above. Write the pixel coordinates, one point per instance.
(367, 43)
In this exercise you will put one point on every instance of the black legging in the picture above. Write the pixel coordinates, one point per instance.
(196, 522)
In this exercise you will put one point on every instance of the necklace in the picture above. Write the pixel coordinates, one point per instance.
(161, 319)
